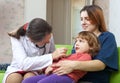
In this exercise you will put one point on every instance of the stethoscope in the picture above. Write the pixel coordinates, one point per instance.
(42, 47)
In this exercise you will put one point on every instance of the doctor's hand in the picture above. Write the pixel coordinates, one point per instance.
(59, 53)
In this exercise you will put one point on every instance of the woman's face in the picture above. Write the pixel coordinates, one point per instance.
(81, 46)
(87, 23)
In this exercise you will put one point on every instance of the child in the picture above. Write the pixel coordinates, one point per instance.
(86, 46)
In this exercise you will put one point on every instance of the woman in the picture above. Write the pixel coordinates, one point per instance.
(32, 47)
(106, 60)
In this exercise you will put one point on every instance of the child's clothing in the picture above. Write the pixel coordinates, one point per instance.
(77, 57)
(69, 78)
(53, 78)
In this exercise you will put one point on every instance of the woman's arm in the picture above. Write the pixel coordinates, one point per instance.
(106, 58)
(67, 66)
(93, 65)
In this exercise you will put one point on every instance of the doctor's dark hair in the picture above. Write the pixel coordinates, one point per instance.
(36, 30)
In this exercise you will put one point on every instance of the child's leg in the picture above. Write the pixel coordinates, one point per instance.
(53, 78)
(34, 79)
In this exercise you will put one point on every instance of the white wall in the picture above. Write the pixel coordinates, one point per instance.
(114, 19)
(35, 8)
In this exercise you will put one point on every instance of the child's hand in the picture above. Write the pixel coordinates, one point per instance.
(48, 70)
(39, 71)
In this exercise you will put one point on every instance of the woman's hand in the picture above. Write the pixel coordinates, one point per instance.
(64, 67)
(58, 53)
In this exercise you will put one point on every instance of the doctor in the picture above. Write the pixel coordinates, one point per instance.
(32, 47)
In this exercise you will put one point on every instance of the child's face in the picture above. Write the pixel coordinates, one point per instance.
(81, 46)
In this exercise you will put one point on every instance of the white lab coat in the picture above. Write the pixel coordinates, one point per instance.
(27, 57)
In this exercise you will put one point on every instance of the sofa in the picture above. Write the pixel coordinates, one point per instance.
(114, 78)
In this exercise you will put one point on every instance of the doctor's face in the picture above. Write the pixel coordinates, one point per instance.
(45, 40)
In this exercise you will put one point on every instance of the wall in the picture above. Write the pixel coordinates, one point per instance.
(111, 16)
(13, 14)
(37, 8)
(11, 17)
(114, 17)
(58, 15)
(34, 8)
